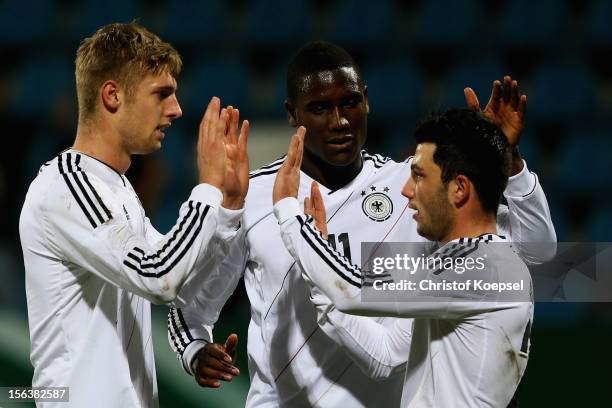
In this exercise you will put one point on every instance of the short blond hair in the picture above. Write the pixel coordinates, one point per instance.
(122, 52)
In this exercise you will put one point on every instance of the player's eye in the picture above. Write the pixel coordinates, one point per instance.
(352, 102)
(317, 109)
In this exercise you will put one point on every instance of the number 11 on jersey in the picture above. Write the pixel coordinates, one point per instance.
(344, 240)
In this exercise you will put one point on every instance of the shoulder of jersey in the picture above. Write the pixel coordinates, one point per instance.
(376, 159)
(466, 246)
(58, 166)
(49, 165)
(386, 166)
(267, 170)
(380, 161)
(261, 181)
(47, 177)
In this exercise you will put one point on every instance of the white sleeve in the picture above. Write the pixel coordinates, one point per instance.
(199, 304)
(151, 233)
(341, 281)
(379, 349)
(186, 339)
(86, 226)
(526, 220)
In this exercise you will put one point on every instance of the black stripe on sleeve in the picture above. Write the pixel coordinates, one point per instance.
(269, 168)
(263, 173)
(75, 170)
(68, 165)
(77, 162)
(449, 250)
(178, 328)
(179, 347)
(467, 250)
(143, 257)
(177, 259)
(338, 258)
(274, 163)
(104, 208)
(173, 237)
(74, 193)
(184, 324)
(87, 198)
(175, 247)
(458, 248)
(330, 263)
(132, 256)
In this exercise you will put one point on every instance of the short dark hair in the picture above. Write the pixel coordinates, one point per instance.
(468, 143)
(317, 56)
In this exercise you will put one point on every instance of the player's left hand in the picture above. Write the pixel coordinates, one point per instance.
(507, 109)
(236, 183)
(215, 362)
(287, 181)
(315, 207)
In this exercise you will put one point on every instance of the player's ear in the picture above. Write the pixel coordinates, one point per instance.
(110, 94)
(365, 98)
(460, 190)
(291, 113)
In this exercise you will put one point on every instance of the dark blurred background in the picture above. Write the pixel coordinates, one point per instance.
(416, 56)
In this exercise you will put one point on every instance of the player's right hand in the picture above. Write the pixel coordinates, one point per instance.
(287, 180)
(215, 362)
(211, 145)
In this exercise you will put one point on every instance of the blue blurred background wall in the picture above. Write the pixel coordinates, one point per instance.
(416, 56)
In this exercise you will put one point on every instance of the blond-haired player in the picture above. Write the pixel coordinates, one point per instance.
(93, 260)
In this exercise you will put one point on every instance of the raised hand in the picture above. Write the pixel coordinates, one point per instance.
(507, 109)
(211, 145)
(237, 163)
(215, 362)
(287, 181)
(315, 207)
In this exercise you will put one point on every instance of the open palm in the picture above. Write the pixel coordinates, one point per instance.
(236, 183)
(505, 108)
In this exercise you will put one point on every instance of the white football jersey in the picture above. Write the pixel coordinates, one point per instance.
(467, 347)
(93, 262)
(295, 360)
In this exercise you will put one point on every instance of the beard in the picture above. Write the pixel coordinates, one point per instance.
(437, 221)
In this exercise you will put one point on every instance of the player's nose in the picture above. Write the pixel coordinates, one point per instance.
(338, 119)
(408, 190)
(173, 108)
